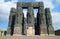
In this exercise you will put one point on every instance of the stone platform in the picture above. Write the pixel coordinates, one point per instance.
(30, 37)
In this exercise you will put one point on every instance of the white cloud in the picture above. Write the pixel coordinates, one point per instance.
(4, 12)
(58, 1)
(56, 20)
(35, 12)
(1, 1)
(25, 12)
(14, 0)
(47, 3)
(5, 9)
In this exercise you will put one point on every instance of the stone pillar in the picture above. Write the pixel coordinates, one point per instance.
(50, 28)
(12, 12)
(42, 22)
(30, 21)
(18, 22)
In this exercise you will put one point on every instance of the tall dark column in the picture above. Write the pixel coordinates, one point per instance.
(11, 22)
(41, 20)
(38, 23)
(23, 24)
(50, 28)
(25, 27)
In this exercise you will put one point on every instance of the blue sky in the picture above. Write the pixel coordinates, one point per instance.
(6, 5)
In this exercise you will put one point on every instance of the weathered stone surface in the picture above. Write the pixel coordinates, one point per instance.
(18, 25)
(25, 27)
(17, 30)
(19, 21)
(19, 4)
(41, 4)
(30, 31)
(30, 21)
(12, 12)
(30, 16)
(29, 4)
(42, 22)
(49, 21)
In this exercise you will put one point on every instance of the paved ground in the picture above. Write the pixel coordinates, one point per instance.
(30, 37)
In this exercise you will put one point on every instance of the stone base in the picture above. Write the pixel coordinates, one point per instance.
(17, 30)
(17, 35)
(30, 31)
(43, 30)
(30, 37)
(51, 35)
(8, 35)
(43, 34)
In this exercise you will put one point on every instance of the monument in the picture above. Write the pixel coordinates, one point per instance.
(41, 25)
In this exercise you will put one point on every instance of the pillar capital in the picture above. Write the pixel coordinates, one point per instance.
(47, 10)
(19, 4)
(41, 4)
